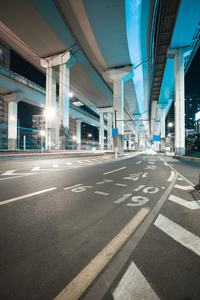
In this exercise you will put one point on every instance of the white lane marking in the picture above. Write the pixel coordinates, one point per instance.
(145, 174)
(123, 198)
(26, 196)
(133, 285)
(55, 166)
(101, 193)
(138, 162)
(114, 171)
(184, 187)
(71, 187)
(120, 184)
(171, 176)
(179, 234)
(11, 173)
(36, 169)
(79, 161)
(166, 164)
(104, 181)
(15, 177)
(188, 204)
(87, 160)
(81, 282)
(69, 164)
(7, 173)
(180, 178)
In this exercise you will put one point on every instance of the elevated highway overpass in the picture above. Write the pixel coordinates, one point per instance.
(120, 57)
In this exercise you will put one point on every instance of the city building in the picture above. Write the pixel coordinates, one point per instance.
(197, 122)
(192, 105)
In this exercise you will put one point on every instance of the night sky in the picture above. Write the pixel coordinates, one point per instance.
(192, 77)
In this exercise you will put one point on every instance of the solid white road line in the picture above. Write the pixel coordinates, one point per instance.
(138, 162)
(114, 171)
(26, 196)
(79, 161)
(69, 164)
(179, 234)
(133, 285)
(184, 187)
(81, 282)
(188, 204)
(120, 184)
(171, 176)
(101, 193)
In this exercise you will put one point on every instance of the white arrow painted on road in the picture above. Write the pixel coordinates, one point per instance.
(11, 173)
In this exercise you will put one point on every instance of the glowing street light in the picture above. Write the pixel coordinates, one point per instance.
(49, 113)
(170, 124)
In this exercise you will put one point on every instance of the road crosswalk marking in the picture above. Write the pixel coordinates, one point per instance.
(184, 187)
(188, 204)
(134, 285)
(179, 234)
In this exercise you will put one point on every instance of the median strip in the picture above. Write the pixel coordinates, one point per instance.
(26, 196)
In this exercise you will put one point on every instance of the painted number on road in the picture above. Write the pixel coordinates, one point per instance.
(138, 201)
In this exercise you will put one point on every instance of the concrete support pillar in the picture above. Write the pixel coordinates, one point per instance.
(136, 135)
(162, 124)
(179, 103)
(179, 88)
(129, 141)
(101, 131)
(125, 142)
(142, 138)
(116, 76)
(109, 126)
(78, 133)
(58, 127)
(50, 114)
(12, 125)
(13, 121)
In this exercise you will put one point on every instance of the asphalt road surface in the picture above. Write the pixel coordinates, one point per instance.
(99, 228)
